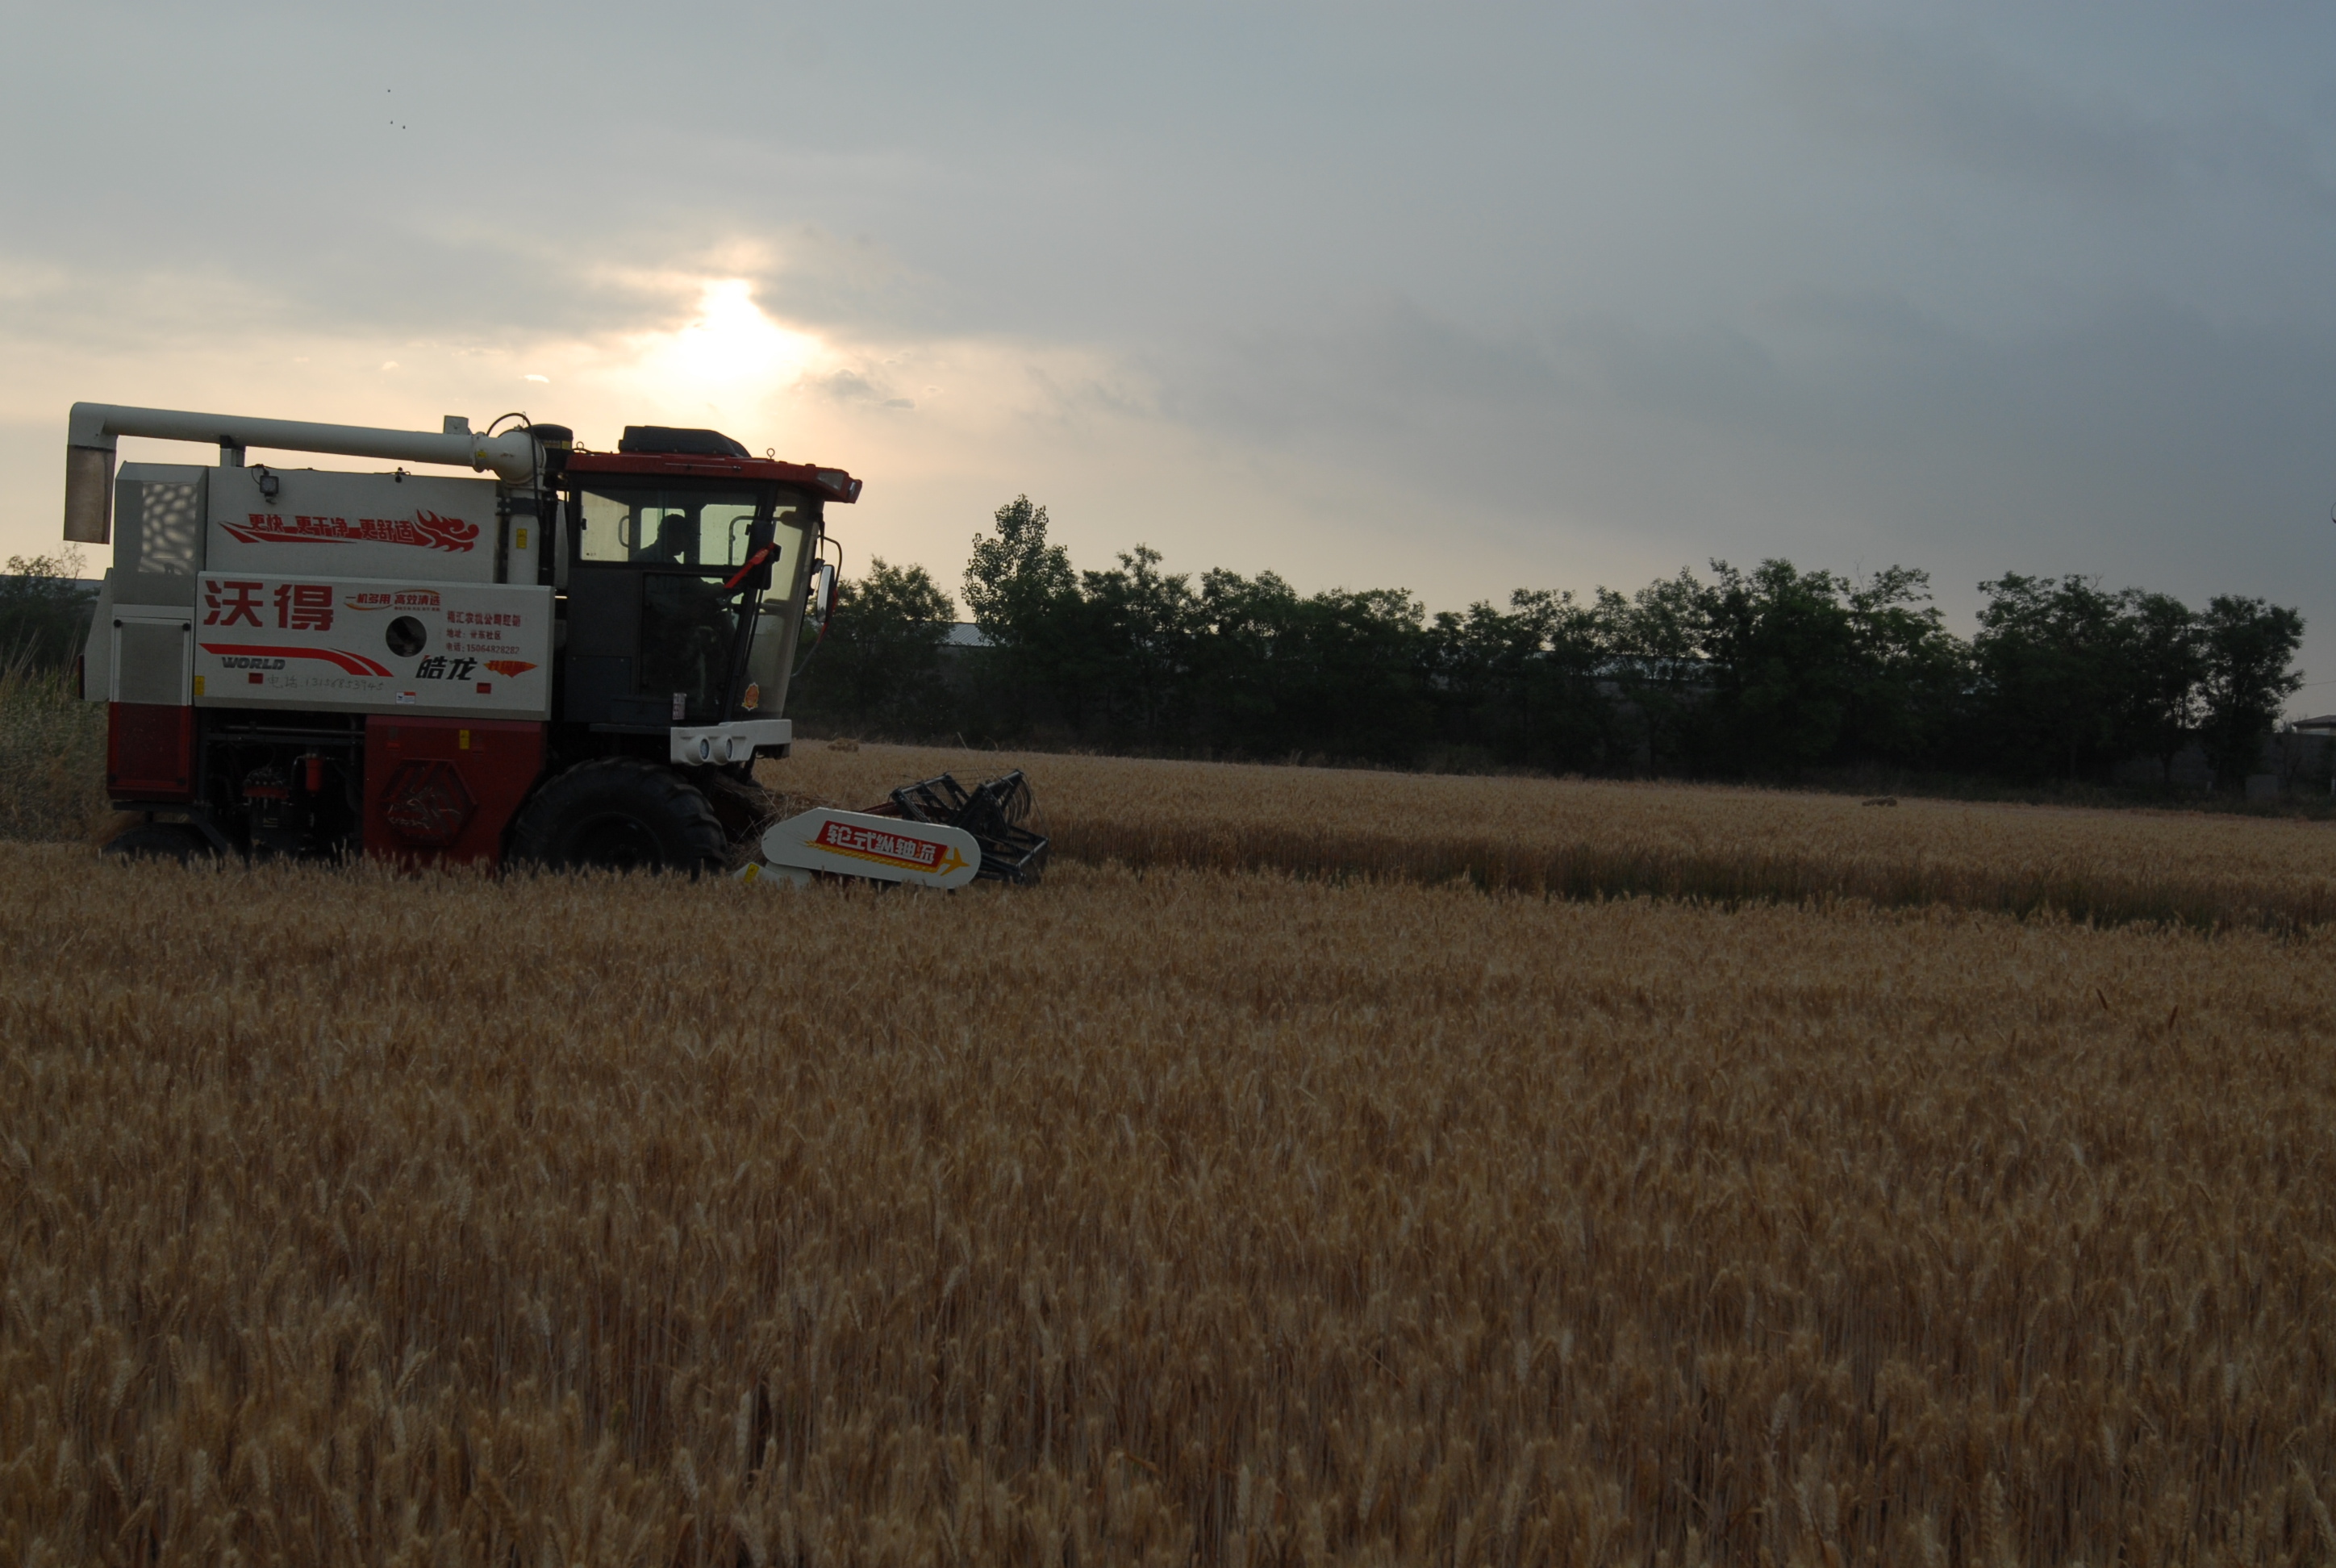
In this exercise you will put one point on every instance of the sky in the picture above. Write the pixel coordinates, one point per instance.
(1462, 298)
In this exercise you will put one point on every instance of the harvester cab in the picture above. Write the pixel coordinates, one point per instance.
(574, 662)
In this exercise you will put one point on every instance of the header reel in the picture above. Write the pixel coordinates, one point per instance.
(993, 811)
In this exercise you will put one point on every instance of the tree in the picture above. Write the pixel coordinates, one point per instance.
(1523, 682)
(1783, 654)
(2053, 660)
(1657, 638)
(1364, 656)
(1913, 676)
(1339, 674)
(1133, 655)
(43, 611)
(1769, 671)
(2166, 668)
(882, 667)
(1567, 721)
(1246, 670)
(1024, 597)
(1016, 581)
(1777, 670)
(2249, 647)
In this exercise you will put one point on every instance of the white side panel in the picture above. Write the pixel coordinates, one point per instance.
(157, 525)
(884, 849)
(454, 650)
(523, 552)
(416, 529)
(149, 660)
(720, 744)
(97, 648)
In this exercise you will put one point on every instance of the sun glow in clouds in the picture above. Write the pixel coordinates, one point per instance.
(728, 365)
(733, 345)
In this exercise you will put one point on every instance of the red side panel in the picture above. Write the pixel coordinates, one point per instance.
(443, 789)
(150, 751)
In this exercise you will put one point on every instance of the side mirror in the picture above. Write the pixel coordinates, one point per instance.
(822, 593)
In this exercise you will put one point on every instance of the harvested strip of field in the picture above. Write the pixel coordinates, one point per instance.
(1577, 839)
(1167, 1217)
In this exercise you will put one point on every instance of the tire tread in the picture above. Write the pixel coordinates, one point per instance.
(691, 837)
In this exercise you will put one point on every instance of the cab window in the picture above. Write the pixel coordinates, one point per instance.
(689, 529)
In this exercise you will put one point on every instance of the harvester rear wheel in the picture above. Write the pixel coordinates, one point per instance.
(619, 814)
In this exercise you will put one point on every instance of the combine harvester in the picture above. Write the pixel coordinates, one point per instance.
(574, 662)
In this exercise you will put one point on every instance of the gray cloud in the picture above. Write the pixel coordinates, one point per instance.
(2146, 443)
(1602, 289)
(1943, 97)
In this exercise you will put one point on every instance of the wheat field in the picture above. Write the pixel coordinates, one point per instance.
(1576, 838)
(52, 756)
(1163, 1213)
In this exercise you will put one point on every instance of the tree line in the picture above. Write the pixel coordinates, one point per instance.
(1771, 672)
(44, 612)
(1765, 672)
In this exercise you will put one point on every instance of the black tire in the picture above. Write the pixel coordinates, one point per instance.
(742, 806)
(619, 814)
(162, 841)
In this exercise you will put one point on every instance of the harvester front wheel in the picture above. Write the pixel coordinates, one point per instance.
(619, 814)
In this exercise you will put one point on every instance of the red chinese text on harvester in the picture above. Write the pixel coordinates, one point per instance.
(424, 529)
(298, 606)
(922, 853)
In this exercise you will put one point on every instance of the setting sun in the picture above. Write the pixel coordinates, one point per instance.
(731, 344)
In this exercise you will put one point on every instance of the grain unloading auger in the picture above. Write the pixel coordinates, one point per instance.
(575, 662)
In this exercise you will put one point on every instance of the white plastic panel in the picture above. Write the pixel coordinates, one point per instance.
(882, 849)
(149, 663)
(720, 744)
(372, 646)
(417, 527)
(158, 522)
(97, 646)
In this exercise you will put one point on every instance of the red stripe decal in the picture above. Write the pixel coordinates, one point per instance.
(354, 663)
